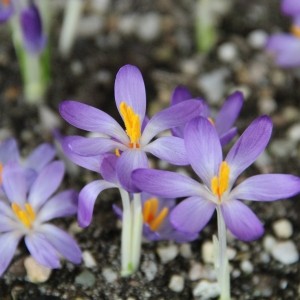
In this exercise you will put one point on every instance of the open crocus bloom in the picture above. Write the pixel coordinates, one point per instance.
(156, 220)
(224, 119)
(131, 144)
(24, 213)
(218, 176)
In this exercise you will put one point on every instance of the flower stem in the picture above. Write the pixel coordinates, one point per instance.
(222, 262)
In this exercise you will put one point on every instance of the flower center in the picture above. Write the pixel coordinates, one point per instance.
(295, 30)
(26, 216)
(220, 183)
(151, 215)
(132, 124)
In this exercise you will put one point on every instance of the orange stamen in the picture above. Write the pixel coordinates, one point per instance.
(1, 172)
(220, 183)
(295, 30)
(212, 122)
(26, 216)
(117, 152)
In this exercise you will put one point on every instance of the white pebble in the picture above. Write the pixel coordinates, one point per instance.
(285, 252)
(88, 259)
(150, 269)
(269, 243)
(149, 27)
(207, 252)
(283, 228)
(109, 275)
(227, 52)
(246, 266)
(231, 253)
(167, 253)
(36, 273)
(176, 283)
(267, 105)
(294, 132)
(185, 250)
(257, 39)
(206, 290)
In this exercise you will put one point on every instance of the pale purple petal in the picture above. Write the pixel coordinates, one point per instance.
(40, 157)
(61, 205)
(229, 112)
(228, 136)
(180, 94)
(267, 187)
(87, 198)
(108, 168)
(46, 184)
(9, 151)
(165, 184)
(42, 251)
(249, 146)
(14, 183)
(89, 118)
(130, 88)
(93, 146)
(8, 220)
(128, 161)
(173, 116)
(89, 162)
(62, 242)
(203, 148)
(5, 11)
(290, 7)
(241, 221)
(170, 149)
(192, 214)
(8, 245)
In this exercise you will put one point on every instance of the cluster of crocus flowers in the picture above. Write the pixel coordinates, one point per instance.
(286, 46)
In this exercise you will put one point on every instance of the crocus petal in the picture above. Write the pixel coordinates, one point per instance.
(180, 93)
(170, 149)
(9, 151)
(93, 146)
(40, 157)
(128, 161)
(130, 88)
(31, 26)
(89, 118)
(14, 183)
(228, 136)
(290, 7)
(174, 116)
(62, 242)
(7, 224)
(203, 148)
(249, 146)
(89, 162)
(241, 221)
(8, 244)
(108, 168)
(6, 11)
(166, 184)
(285, 48)
(61, 205)
(42, 251)
(46, 184)
(267, 187)
(87, 198)
(229, 112)
(192, 214)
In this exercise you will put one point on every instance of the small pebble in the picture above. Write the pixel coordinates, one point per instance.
(231, 253)
(283, 228)
(266, 105)
(208, 252)
(109, 275)
(269, 243)
(176, 283)
(36, 273)
(86, 279)
(227, 52)
(294, 132)
(88, 259)
(281, 148)
(185, 250)
(206, 290)
(257, 39)
(149, 268)
(199, 271)
(246, 266)
(167, 253)
(149, 27)
(285, 252)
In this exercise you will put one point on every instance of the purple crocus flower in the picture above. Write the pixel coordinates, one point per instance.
(224, 119)
(156, 220)
(6, 10)
(131, 145)
(24, 213)
(218, 176)
(286, 47)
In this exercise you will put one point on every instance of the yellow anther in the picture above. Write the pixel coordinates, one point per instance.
(26, 216)
(132, 124)
(117, 152)
(151, 215)
(219, 184)
(1, 171)
(295, 30)
(211, 121)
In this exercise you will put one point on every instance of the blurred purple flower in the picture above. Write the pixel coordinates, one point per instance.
(156, 217)
(224, 119)
(24, 212)
(131, 145)
(6, 10)
(205, 154)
